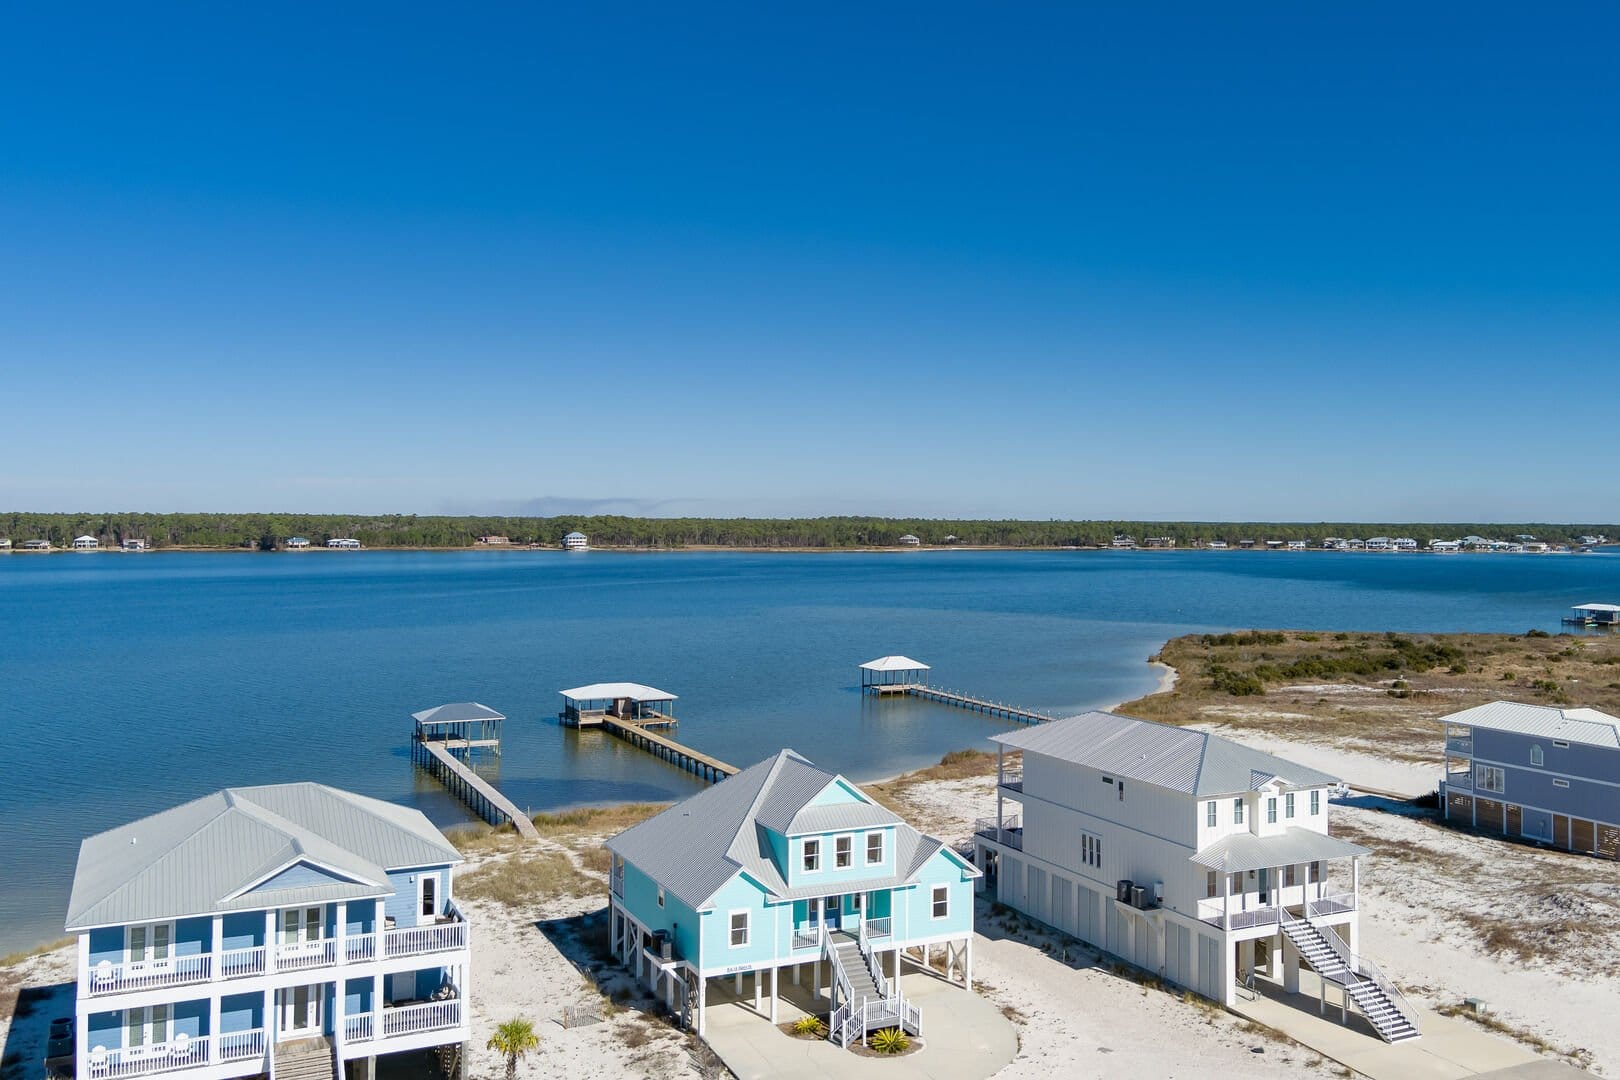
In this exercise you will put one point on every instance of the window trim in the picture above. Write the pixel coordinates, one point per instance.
(731, 928)
(844, 851)
(940, 895)
(1288, 805)
(1537, 758)
(426, 883)
(660, 896)
(881, 846)
(1212, 885)
(810, 852)
(149, 943)
(148, 1027)
(1271, 810)
(1211, 815)
(1237, 810)
(1316, 801)
(1482, 779)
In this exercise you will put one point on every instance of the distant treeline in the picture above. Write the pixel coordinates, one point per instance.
(271, 531)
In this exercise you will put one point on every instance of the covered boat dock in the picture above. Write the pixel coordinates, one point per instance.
(634, 703)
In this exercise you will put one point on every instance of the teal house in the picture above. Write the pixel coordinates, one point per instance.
(787, 868)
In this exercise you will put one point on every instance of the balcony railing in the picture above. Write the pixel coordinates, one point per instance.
(1460, 779)
(807, 937)
(1012, 776)
(415, 940)
(110, 978)
(1330, 905)
(1010, 832)
(241, 963)
(402, 1020)
(880, 928)
(178, 1053)
(306, 954)
(1459, 744)
(1214, 912)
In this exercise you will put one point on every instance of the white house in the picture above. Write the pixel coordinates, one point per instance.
(343, 543)
(134, 543)
(297, 543)
(576, 541)
(1445, 545)
(86, 543)
(283, 930)
(909, 540)
(1189, 855)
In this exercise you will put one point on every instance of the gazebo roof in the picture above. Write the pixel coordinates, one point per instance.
(460, 712)
(895, 663)
(607, 691)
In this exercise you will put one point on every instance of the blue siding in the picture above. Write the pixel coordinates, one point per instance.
(241, 1012)
(362, 917)
(193, 936)
(243, 930)
(300, 875)
(401, 907)
(106, 1029)
(191, 1018)
(357, 996)
(1525, 784)
(107, 944)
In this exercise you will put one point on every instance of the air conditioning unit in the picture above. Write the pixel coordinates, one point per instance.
(665, 947)
(1122, 890)
(1138, 896)
(1158, 892)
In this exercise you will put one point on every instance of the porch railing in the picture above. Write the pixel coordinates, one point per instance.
(429, 1016)
(1330, 905)
(1010, 832)
(414, 940)
(358, 948)
(879, 928)
(178, 1053)
(1461, 745)
(1460, 778)
(307, 954)
(241, 963)
(806, 939)
(1358, 967)
(1012, 776)
(109, 978)
(1214, 912)
(359, 1028)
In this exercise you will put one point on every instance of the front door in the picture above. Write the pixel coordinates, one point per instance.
(300, 1012)
(301, 929)
(833, 912)
(1265, 887)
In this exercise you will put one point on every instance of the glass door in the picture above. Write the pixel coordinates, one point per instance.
(300, 1012)
(301, 929)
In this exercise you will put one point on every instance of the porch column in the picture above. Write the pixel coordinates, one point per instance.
(270, 941)
(213, 1023)
(340, 990)
(377, 1011)
(739, 984)
(340, 926)
(967, 966)
(758, 975)
(776, 973)
(215, 963)
(1226, 911)
(702, 1000)
(1290, 966)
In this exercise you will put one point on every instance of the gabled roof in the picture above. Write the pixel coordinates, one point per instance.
(1588, 726)
(695, 847)
(459, 712)
(607, 691)
(895, 663)
(1192, 762)
(210, 854)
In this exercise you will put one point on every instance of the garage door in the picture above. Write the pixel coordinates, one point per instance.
(1119, 933)
(1085, 915)
(1039, 902)
(1063, 904)
(1177, 954)
(1011, 883)
(1209, 968)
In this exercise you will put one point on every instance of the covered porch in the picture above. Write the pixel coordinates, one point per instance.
(1263, 881)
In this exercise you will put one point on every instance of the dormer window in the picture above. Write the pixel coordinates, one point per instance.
(1271, 810)
(812, 856)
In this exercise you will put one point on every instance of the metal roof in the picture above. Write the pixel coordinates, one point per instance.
(1597, 607)
(573, 535)
(1588, 726)
(819, 819)
(1245, 851)
(697, 846)
(1194, 762)
(608, 691)
(895, 663)
(200, 857)
(459, 712)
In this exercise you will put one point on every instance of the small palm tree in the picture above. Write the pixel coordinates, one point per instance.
(514, 1038)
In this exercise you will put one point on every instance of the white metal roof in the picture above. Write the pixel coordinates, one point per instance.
(610, 691)
(1194, 762)
(895, 663)
(1242, 852)
(459, 712)
(1589, 726)
(1597, 607)
(200, 857)
(576, 535)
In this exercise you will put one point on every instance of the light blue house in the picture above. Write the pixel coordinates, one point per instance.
(280, 930)
(1535, 772)
(785, 866)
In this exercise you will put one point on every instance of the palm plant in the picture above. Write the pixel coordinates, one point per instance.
(890, 1041)
(514, 1038)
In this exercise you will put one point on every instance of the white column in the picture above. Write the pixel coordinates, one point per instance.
(218, 947)
(967, 969)
(84, 963)
(340, 928)
(702, 1001)
(757, 976)
(270, 941)
(1226, 911)
(377, 1006)
(776, 973)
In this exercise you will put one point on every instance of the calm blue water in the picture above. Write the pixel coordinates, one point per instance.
(129, 683)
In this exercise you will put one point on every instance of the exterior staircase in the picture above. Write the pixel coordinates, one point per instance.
(865, 1001)
(1375, 996)
(306, 1059)
(848, 953)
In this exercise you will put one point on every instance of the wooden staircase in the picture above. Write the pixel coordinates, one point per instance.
(306, 1059)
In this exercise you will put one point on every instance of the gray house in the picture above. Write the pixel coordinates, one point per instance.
(1536, 772)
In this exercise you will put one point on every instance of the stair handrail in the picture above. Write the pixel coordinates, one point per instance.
(1358, 967)
(873, 968)
(840, 977)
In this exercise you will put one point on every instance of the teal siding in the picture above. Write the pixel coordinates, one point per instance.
(918, 915)
(640, 899)
(830, 877)
(765, 936)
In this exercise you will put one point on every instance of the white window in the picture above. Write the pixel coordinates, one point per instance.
(942, 901)
(1488, 778)
(146, 1027)
(739, 929)
(1535, 755)
(1209, 813)
(1316, 803)
(812, 856)
(1090, 849)
(874, 848)
(1561, 783)
(660, 896)
(300, 926)
(844, 852)
(1288, 805)
(1212, 885)
(148, 944)
(1237, 811)
(1271, 811)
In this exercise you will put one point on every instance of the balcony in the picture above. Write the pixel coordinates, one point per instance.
(1337, 904)
(1460, 744)
(1459, 780)
(1214, 913)
(178, 1054)
(1012, 778)
(1009, 833)
(401, 1020)
(879, 929)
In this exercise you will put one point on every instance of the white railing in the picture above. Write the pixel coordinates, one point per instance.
(1012, 776)
(109, 978)
(1213, 911)
(1461, 745)
(358, 948)
(181, 1052)
(241, 963)
(840, 980)
(1009, 832)
(306, 954)
(806, 938)
(359, 1028)
(429, 1016)
(1359, 968)
(879, 928)
(1330, 905)
(414, 940)
(1460, 778)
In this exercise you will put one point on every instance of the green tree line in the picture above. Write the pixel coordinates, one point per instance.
(271, 531)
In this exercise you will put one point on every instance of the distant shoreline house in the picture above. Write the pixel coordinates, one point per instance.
(576, 541)
(296, 543)
(5, 544)
(908, 540)
(343, 543)
(286, 929)
(1535, 772)
(133, 543)
(36, 545)
(787, 869)
(1189, 855)
(86, 543)
(494, 540)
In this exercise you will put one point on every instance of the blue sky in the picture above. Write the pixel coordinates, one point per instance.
(1060, 260)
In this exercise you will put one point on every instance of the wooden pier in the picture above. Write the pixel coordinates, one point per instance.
(693, 761)
(465, 729)
(901, 676)
(990, 708)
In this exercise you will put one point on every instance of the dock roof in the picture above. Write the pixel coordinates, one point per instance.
(610, 691)
(459, 712)
(695, 847)
(1597, 607)
(1192, 762)
(1591, 727)
(895, 663)
(201, 857)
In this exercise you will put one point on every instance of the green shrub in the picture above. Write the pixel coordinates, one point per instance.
(1236, 683)
(1536, 633)
(889, 1041)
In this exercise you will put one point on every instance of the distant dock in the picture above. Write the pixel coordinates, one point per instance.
(631, 711)
(468, 728)
(902, 676)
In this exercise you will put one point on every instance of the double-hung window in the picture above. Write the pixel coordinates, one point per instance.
(1237, 811)
(1090, 849)
(1209, 813)
(1316, 802)
(739, 929)
(844, 852)
(1271, 810)
(812, 856)
(1488, 778)
(874, 848)
(942, 901)
(1212, 884)
(1288, 805)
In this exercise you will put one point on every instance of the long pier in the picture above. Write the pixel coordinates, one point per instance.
(482, 796)
(693, 761)
(965, 701)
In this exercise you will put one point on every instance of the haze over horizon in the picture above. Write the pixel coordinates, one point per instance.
(1271, 264)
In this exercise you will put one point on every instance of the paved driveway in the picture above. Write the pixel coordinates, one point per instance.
(965, 1038)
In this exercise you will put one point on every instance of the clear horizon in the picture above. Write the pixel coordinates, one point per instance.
(1054, 262)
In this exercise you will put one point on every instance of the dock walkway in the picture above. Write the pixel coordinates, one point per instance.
(962, 701)
(693, 761)
(473, 789)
